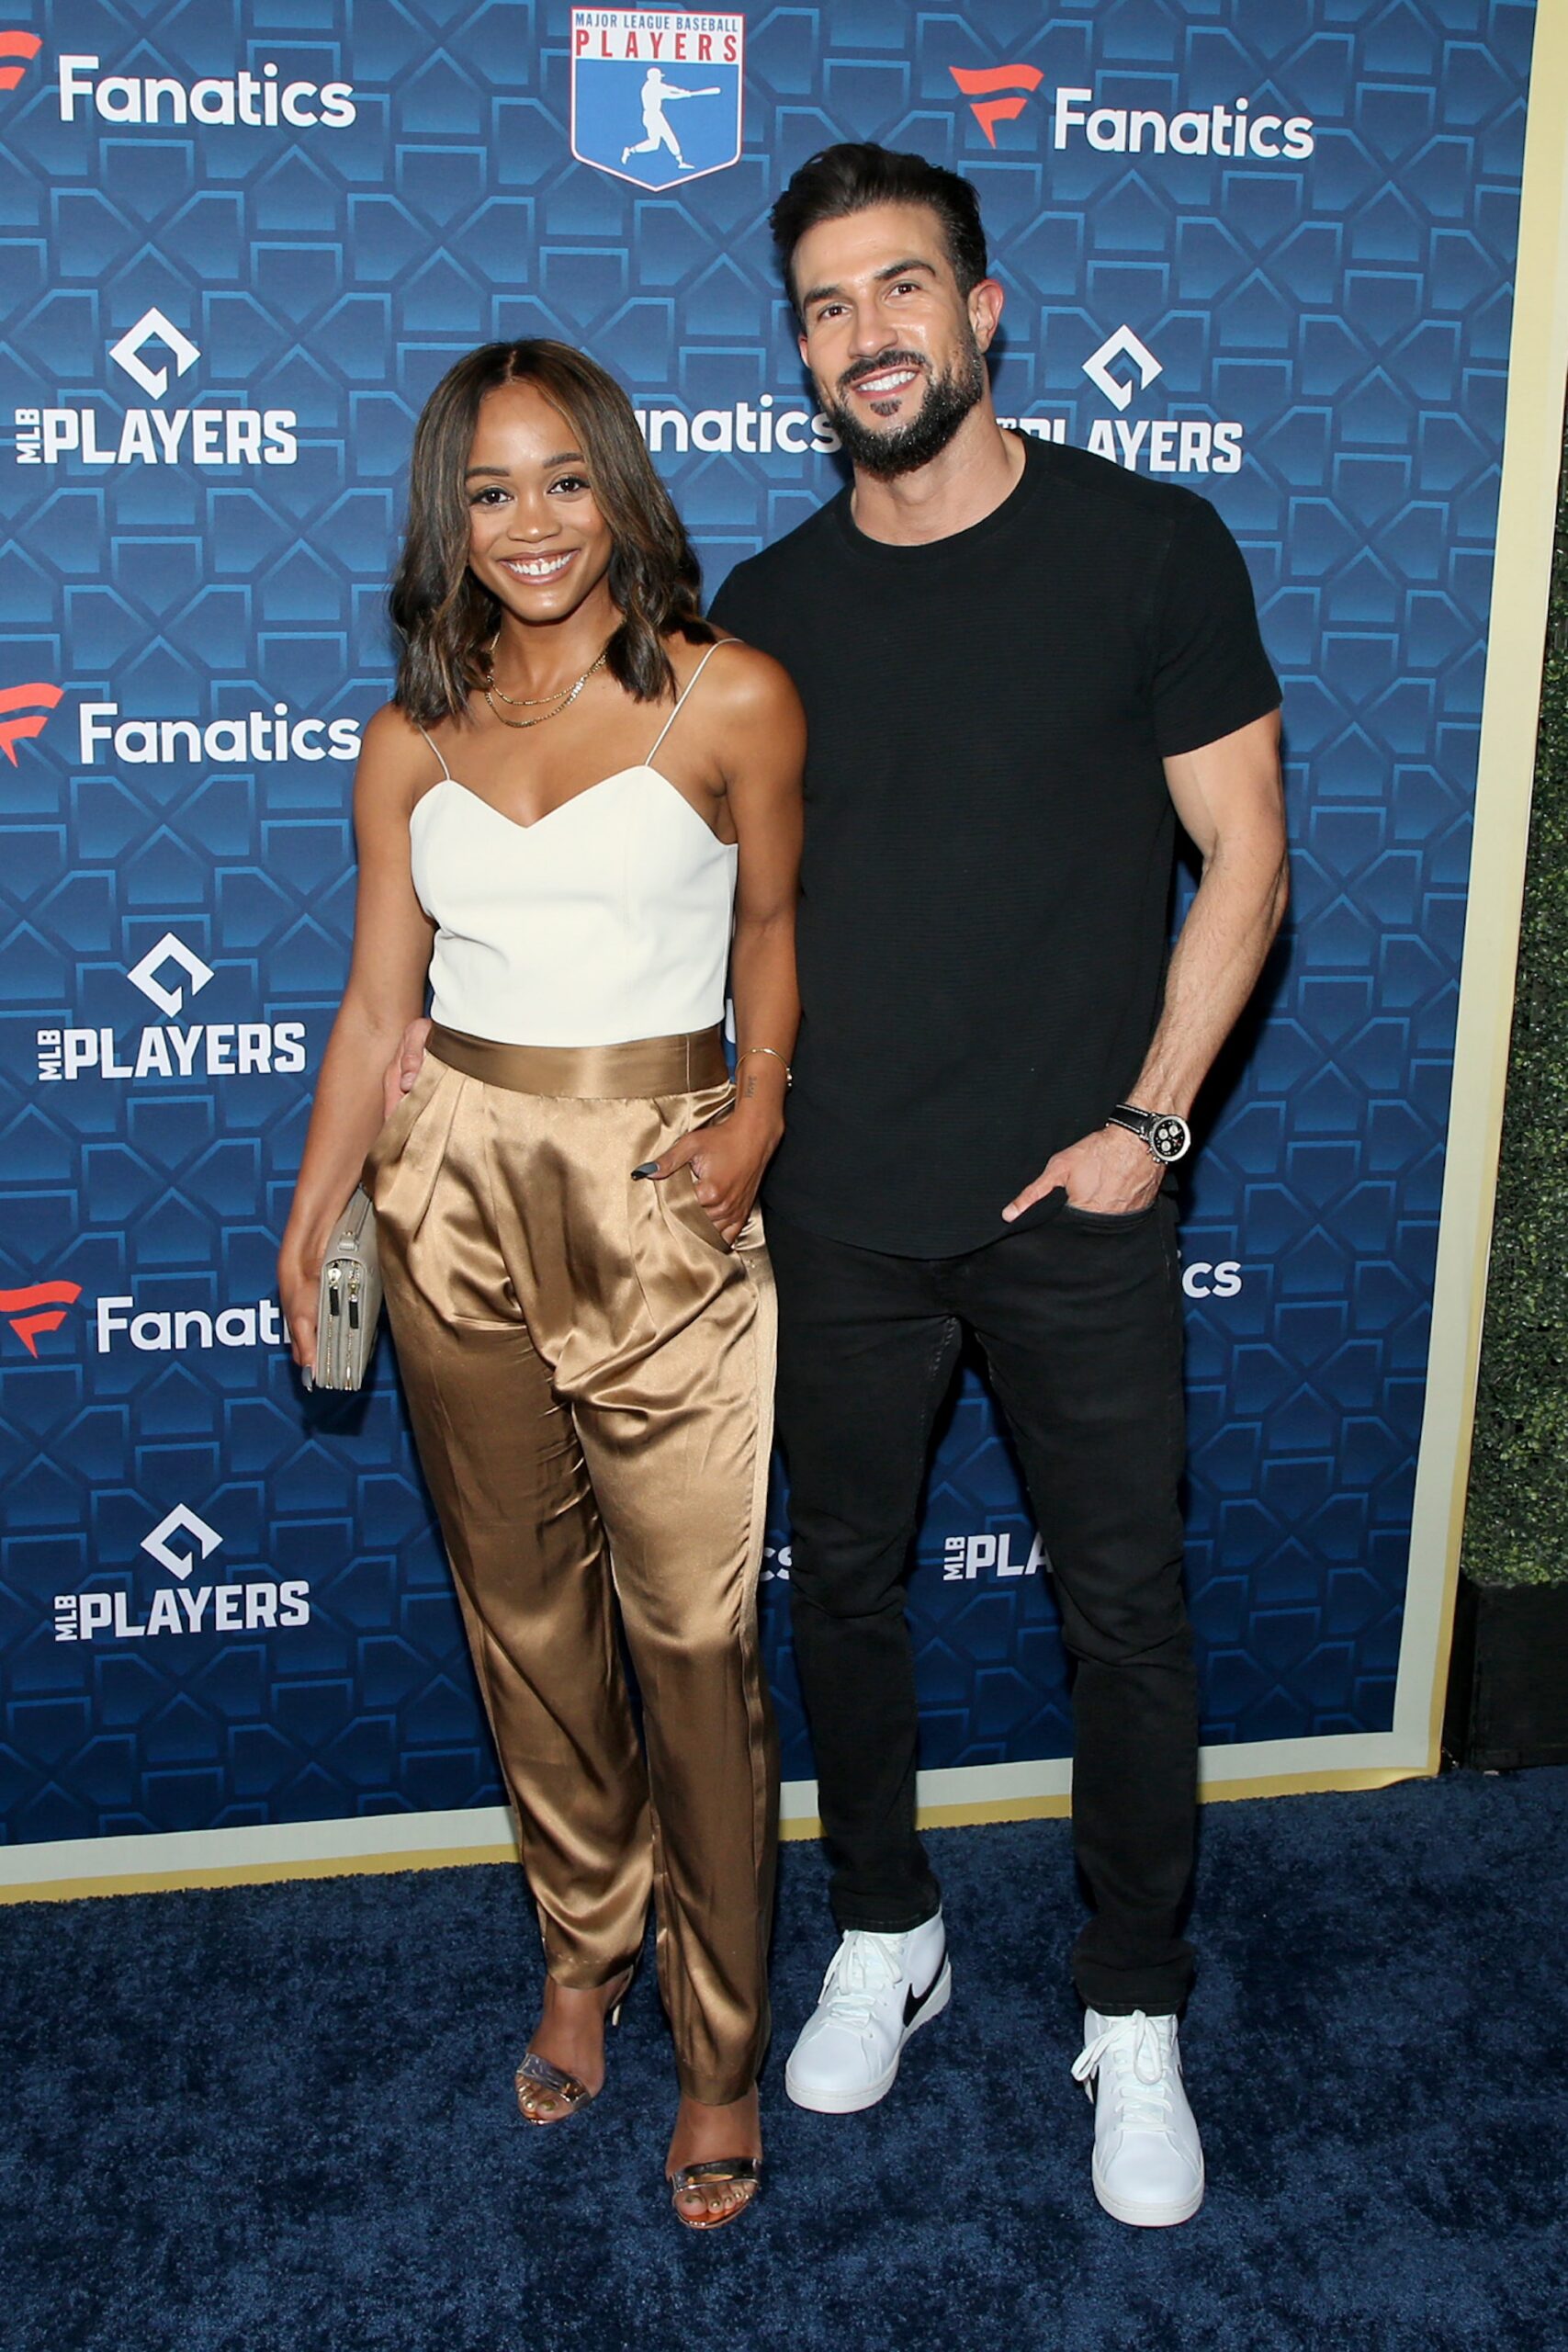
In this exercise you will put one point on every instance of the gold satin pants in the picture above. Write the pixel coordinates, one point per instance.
(590, 1370)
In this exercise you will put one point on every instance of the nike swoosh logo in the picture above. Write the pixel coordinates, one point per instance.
(915, 2002)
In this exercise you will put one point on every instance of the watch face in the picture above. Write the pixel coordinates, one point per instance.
(1169, 1136)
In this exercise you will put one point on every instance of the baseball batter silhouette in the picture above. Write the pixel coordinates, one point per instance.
(656, 94)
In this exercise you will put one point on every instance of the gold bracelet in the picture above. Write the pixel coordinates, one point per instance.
(789, 1074)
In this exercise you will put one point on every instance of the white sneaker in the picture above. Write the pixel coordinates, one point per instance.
(1148, 2159)
(877, 1992)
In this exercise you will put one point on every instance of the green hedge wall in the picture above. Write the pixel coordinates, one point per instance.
(1516, 1518)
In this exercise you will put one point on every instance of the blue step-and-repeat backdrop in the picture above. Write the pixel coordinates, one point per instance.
(1260, 247)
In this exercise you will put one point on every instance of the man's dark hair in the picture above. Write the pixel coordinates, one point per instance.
(853, 176)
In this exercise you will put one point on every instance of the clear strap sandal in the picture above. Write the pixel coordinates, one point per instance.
(716, 2173)
(538, 2074)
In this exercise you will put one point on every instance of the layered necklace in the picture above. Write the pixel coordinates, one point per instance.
(563, 698)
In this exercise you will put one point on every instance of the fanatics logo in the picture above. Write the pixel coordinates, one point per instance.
(249, 738)
(29, 719)
(41, 1307)
(630, 67)
(988, 110)
(754, 429)
(264, 100)
(1233, 131)
(17, 52)
(1205, 1278)
(175, 1330)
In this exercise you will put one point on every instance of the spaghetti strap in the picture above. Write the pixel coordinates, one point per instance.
(446, 771)
(680, 705)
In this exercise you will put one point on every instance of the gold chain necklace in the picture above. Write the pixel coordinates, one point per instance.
(563, 698)
(519, 701)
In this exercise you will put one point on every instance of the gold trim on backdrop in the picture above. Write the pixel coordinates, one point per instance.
(800, 1827)
(428, 1858)
(1510, 712)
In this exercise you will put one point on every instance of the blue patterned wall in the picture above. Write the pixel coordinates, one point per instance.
(227, 291)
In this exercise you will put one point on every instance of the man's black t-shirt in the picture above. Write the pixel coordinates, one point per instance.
(988, 834)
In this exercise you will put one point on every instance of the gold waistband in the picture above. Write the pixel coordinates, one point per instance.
(639, 1067)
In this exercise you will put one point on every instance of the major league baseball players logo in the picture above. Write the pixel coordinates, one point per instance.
(657, 92)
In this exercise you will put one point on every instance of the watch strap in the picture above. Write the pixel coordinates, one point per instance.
(1144, 1124)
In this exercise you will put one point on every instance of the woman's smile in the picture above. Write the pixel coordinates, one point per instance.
(536, 568)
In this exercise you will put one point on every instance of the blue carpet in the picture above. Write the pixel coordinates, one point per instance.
(278, 2119)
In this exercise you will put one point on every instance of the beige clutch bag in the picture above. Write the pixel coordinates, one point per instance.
(349, 1305)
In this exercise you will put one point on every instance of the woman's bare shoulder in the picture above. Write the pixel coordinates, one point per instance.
(396, 759)
(392, 735)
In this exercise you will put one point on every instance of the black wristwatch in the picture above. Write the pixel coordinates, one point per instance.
(1162, 1133)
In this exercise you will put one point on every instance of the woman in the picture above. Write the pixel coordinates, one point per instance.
(573, 790)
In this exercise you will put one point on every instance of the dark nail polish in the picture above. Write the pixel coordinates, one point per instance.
(649, 1168)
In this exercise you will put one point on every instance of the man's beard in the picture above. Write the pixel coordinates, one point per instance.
(948, 401)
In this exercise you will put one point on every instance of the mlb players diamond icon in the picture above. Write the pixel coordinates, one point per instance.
(1122, 345)
(153, 327)
(657, 92)
(181, 1521)
(169, 950)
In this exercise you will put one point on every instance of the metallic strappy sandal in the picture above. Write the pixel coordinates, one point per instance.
(536, 2074)
(717, 2172)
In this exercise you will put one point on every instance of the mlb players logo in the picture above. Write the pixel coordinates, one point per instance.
(656, 93)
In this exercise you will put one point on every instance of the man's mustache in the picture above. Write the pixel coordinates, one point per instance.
(879, 366)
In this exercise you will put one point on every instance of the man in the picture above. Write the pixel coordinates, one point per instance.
(1022, 668)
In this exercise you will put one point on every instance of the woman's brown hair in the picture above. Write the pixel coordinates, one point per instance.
(442, 615)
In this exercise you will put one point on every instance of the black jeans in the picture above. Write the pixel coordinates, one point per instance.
(1080, 1323)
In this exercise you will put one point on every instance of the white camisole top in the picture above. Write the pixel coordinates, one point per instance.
(605, 919)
